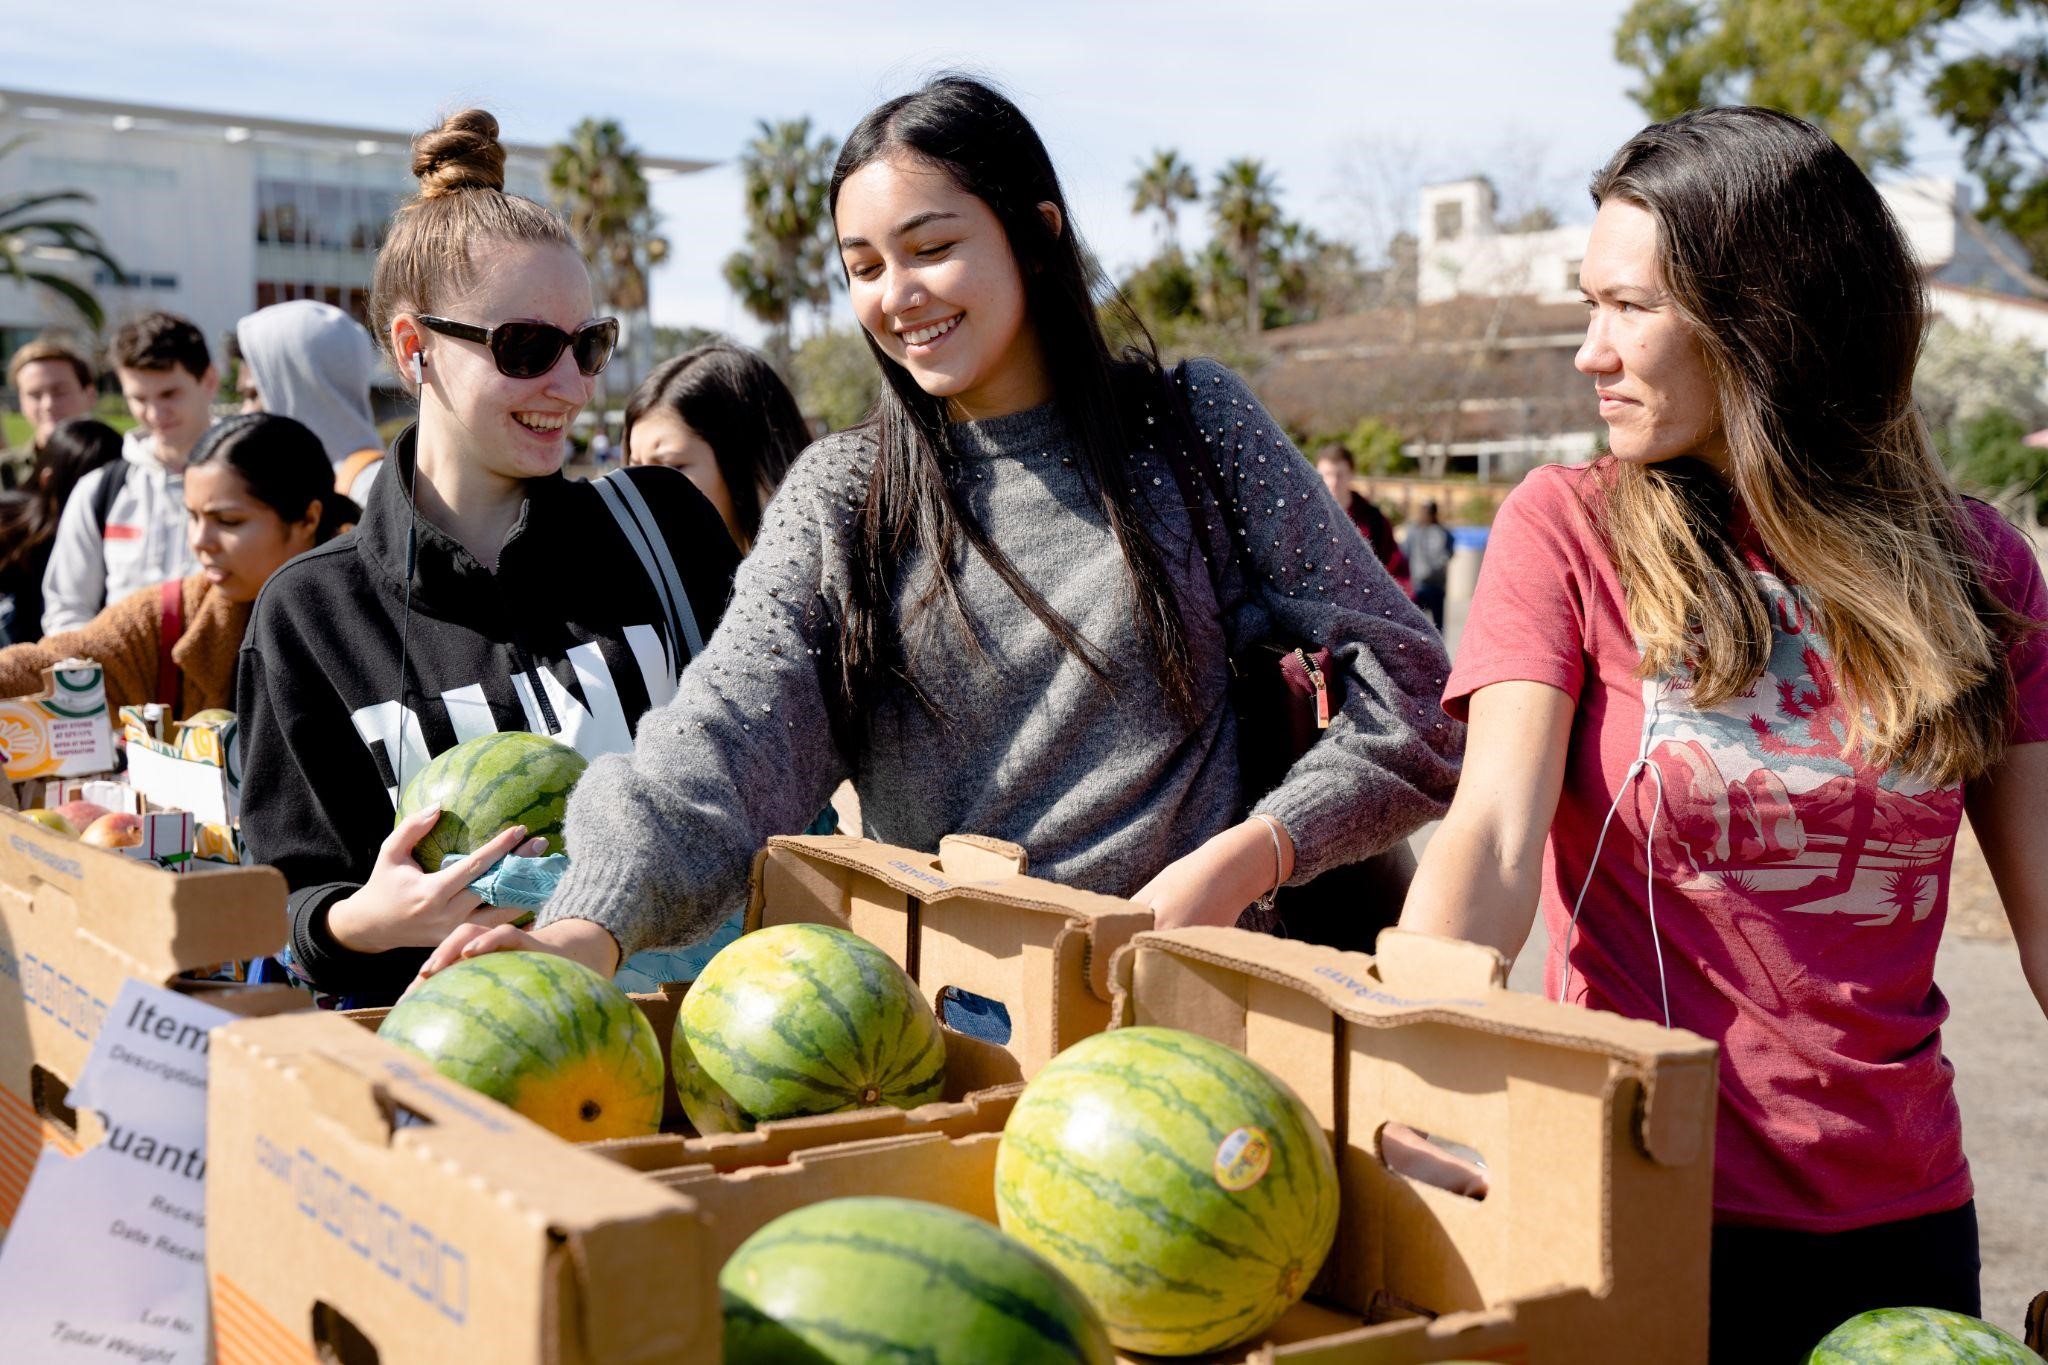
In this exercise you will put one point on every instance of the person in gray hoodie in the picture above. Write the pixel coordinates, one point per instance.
(312, 362)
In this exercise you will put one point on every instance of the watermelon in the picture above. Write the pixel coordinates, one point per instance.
(1187, 1190)
(709, 1109)
(809, 1019)
(486, 785)
(544, 1035)
(1923, 1336)
(853, 1281)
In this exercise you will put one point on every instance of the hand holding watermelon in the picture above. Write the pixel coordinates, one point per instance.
(402, 906)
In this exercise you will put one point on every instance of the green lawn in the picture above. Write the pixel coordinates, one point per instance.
(111, 410)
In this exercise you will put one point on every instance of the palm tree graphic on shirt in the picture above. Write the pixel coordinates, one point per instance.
(1762, 803)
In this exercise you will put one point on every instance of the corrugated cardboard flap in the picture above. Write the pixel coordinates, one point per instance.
(159, 923)
(629, 1242)
(1415, 978)
(975, 868)
(779, 1141)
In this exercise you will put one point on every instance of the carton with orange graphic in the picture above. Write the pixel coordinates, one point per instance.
(76, 922)
(62, 731)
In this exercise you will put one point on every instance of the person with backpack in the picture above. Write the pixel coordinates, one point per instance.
(1008, 603)
(258, 490)
(482, 590)
(125, 528)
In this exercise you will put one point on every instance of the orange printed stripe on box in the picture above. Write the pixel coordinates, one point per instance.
(23, 1129)
(244, 1333)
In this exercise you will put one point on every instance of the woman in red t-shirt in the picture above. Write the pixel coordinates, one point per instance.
(1766, 639)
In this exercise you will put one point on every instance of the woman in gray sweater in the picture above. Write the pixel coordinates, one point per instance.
(992, 607)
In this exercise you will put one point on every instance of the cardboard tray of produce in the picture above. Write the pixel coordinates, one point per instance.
(77, 921)
(358, 1203)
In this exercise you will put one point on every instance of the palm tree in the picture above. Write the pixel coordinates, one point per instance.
(783, 266)
(1247, 211)
(1163, 183)
(596, 181)
(31, 241)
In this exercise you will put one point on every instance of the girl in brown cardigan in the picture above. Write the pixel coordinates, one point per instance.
(258, 490)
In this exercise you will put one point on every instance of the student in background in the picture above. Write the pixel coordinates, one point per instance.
(125, 527)
(312, 362)
(29, 517)
(52, 382)
(1768, 641)
(1429, 548)
(723, 416)
(258, 490)
(1333, 463)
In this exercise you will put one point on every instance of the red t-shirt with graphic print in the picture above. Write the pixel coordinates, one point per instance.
(1799, 895)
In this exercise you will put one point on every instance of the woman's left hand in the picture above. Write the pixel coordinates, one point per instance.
(1215, 883)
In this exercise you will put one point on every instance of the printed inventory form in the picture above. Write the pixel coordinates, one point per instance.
(107, 1255)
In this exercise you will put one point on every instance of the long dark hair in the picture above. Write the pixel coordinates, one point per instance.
(284, 467)
(986, 146)
(1808, 309)
(28, 517)
(733, 399)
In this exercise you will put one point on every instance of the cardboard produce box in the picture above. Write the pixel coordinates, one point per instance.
(61, 731)
(300, 1202)
(75, 922)
(1591, 1243)
(353, 1192)
(1590, 1246)
(967, 919)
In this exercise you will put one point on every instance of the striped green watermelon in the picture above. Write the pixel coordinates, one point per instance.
(1921, 1336)
(486, 785)
(709, 1109)
(866, 1281)
(544, 1035)
(808, 1019)
(1187, 1190)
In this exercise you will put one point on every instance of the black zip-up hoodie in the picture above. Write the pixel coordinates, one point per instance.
(567, 639)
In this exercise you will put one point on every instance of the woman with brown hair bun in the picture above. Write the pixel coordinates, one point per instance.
(483, 591)
(1768, 643)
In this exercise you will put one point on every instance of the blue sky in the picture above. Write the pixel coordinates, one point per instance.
(1350, 104)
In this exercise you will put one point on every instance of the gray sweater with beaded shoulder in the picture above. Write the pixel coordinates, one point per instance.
(1102, 785)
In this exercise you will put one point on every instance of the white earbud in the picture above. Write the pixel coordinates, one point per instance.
(419, 369)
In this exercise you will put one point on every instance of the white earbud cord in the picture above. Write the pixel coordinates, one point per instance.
(1649, 881)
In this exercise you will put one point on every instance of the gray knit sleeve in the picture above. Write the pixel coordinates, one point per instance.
(1389, 761)
(662, 839)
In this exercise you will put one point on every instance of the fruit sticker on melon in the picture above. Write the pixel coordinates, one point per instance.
(808, 1019)
(1186, 1189)
(1923, 1336)
(855, 1281)
(542, 1035)
(486, 785)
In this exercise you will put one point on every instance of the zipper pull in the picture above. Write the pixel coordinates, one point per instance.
(1322, 687)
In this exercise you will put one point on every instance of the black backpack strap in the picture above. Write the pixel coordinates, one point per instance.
(103, 497)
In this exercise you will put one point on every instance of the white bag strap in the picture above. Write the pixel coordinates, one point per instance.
(635, 519)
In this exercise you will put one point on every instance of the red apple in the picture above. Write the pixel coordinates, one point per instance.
(54, 820)
(81, 813)
(117, 829)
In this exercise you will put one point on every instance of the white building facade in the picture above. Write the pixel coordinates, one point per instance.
(214, 215)
(1971, 269)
